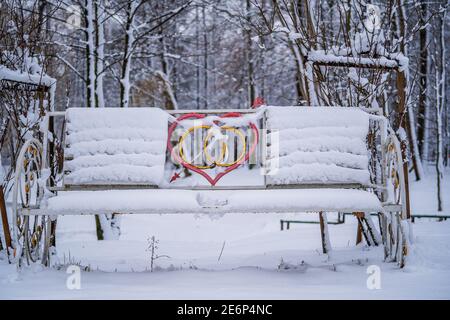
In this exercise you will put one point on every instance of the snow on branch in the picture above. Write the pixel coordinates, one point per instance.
(330, 59)
(17, 76)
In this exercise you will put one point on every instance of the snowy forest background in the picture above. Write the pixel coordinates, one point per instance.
(203, 54)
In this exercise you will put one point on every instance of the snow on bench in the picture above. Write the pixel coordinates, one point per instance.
(206, 201)
(115, 146)
(323, 166)
(320, 145)
(109, 146)
(317, 146)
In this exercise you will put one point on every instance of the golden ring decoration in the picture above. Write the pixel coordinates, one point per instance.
(208, 156)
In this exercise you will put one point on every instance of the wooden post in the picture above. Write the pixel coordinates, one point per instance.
(402, 122)
(53, 233)
(359, 230)
(8, 242)
(99, 229)
(406, 177)
(54, 165)
(373, 234)
(358, 234)
(362, 231)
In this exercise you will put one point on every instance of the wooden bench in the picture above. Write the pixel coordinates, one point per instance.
(149, 161)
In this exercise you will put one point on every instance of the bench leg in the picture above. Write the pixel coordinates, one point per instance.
(326, 246)
(7, 235)
(98, 227)
(53, 233)
(367, 229)
(358, 233)
(385, 234)
(373, 233)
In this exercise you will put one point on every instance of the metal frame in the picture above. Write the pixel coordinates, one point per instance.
(384, 134)
(262, 145)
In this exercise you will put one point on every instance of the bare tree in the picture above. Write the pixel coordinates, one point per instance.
(440, 79)
(136, 31)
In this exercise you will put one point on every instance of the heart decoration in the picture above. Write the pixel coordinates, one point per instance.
(202, 172)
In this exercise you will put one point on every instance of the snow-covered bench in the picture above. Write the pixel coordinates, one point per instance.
(280, 159)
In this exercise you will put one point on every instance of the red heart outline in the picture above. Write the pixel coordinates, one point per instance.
(216, 179)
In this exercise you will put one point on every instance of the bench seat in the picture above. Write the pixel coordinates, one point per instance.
(211, 201)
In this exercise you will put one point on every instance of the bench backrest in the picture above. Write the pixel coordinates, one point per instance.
(113, 146)
(318, 145)
(306, 145)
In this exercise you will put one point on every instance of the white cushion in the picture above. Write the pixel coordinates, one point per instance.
(115, 146)
(318, 145)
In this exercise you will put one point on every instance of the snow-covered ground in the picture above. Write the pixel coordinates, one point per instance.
(238, 256)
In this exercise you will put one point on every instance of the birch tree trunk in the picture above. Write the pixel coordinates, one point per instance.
(410, 126)
(90, 53)
(251, 90)
(440, 102)
(290, 18)
(197, 49)
(99, 52)
(127, 55)
(163, 75)
(423, 112)
(205, 60)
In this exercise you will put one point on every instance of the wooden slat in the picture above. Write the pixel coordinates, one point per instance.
(88, 187)
(5, 220)
(326, 248)
(124, 186)
(204, 210)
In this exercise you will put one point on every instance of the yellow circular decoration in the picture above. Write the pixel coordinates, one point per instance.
(184, 136)
(208, 156)
(224, 164)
